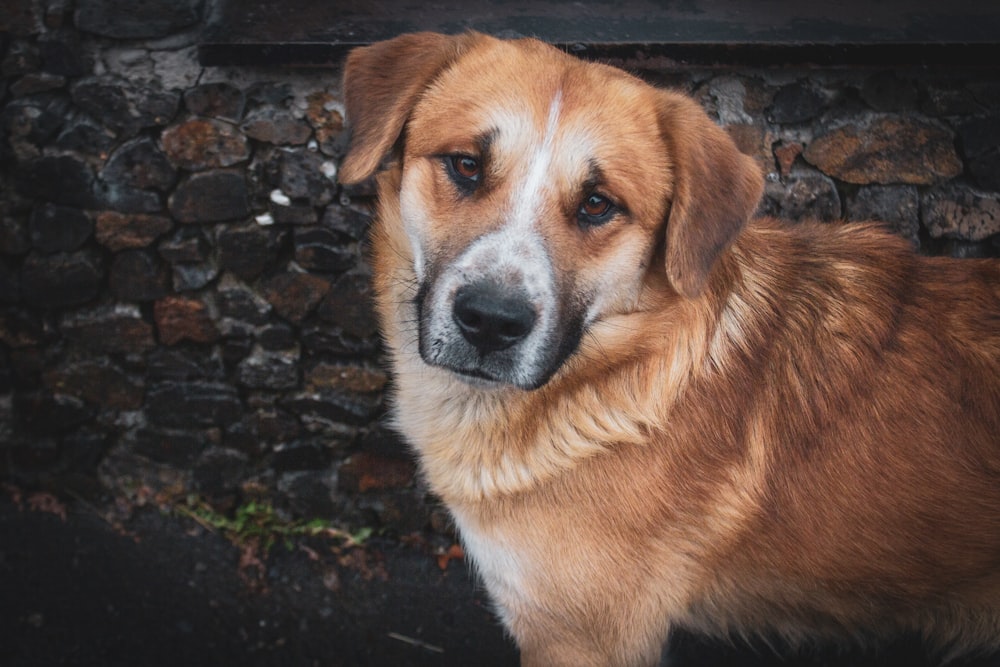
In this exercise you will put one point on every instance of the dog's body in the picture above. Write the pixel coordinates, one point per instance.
(645, 411)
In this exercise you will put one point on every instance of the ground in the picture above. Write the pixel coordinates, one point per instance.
(82, 586)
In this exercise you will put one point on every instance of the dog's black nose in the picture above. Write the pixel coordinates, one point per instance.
(491, 319)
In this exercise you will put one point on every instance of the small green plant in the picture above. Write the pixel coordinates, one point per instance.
(258, 522)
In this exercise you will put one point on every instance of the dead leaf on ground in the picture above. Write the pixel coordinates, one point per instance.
(454, 552)
(48, 503)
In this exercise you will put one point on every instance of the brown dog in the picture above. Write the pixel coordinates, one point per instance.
(646, 410)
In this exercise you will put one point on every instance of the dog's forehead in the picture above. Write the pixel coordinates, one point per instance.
(513, 92)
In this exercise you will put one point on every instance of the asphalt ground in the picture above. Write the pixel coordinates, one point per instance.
(82, 586)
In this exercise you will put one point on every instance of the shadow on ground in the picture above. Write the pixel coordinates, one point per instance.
(161, 590)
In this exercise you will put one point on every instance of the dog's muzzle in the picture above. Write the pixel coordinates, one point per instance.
(491, 319)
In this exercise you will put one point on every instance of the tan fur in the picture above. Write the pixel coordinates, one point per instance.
(792, 430)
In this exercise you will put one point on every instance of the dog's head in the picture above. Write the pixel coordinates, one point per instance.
(536, 191)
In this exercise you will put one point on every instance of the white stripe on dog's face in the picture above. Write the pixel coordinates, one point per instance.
(514, 255)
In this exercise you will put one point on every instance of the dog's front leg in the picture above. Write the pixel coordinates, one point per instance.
(570, 650)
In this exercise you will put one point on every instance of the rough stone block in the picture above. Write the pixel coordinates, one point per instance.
(59, 228)
(276, 126)
(322, 249)
(896, 204)
(178, 318)
(61, 279)
(44, 413)
(120, 231)
(961, 212)
(295, 295)
(139, 164)
(202, 143)
(886, 91)
(886, 149)
(36, 179)
(345, 377)
(347, 221)
(193, 405)
(334, 407)
(311, 454)
(803, 195)
(796, 103)
(367, 471)
(170, 446)
(269, 369)
(138, 275)
(349, 306)
(211, 196)
(98, 382)
(116, 329)
(249, 250)
(216, 100)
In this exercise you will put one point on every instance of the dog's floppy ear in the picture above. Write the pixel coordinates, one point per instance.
(716, 190)
(382, 82)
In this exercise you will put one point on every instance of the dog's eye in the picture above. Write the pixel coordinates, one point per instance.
(465, 170)
(595, 210)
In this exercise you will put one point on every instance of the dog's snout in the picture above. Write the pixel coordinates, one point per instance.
(492, 319)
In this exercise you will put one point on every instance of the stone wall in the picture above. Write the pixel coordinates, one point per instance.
(183, 293)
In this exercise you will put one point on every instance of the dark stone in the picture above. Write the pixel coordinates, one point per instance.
(323, 339)
(301, 178)
(179, 365)
(239, 303)
(19, 329)
(898, 205)
(885, 91)
(139, 164)
(14, 238)
(367, 471)
(242, 436)
(124, 105)
(803, 195)
(42, 413)
(219, 471)
(98, 382)
(984, 169)
(63, 55)
(277, 337)
(131, 19)
(322, 249)
(886, 149)
(21, 17)
(960, 212)
(796, 103)
(347, 221)
(178, 448)
(310, 454)
(193, 405)
(294, 214)
(138, 275)
(10, 284)
(104, 99)
(979, 135)
(38, 82)
(309, 492)
(949, 99)
(115, 329)
(83, 134)
(276, 126)
(345, 377)
(266, 369)
(276, 425)
(294, 295)
(203, 143)
(36, 119)
(211, 196)
(216, 100)
(334, 407)
(119, 231)
(235, 350)
(186, 245)
(323, 113)
(349, 306)
(130, 200)
(59, 228)
(59, 280)
(21, 58)
(247, 251)
(960, 249)
(188, 277)
(268, 94)
(59, 179)
(179, 318)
